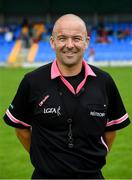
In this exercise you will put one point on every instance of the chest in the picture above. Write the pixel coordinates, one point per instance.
(88, 109)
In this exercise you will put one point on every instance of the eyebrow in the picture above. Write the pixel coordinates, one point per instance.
(74, 36)
(64, 35)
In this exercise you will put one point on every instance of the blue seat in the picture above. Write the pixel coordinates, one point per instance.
(5, 50)
(45, 52)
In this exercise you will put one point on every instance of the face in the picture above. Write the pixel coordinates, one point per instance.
(69, 41)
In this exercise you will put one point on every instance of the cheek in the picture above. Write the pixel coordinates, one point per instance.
(58, 50)
(55, 45)
(59, 46)
(81, 47)
(85, 46)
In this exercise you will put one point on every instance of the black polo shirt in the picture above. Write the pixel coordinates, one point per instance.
(67, 124)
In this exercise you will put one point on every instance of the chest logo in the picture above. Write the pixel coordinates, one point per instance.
(97, 114)
(43, 100)
(52, 111)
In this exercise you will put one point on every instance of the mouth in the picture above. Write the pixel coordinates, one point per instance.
(69, 54)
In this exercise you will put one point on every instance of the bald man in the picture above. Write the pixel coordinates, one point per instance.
(63, 111)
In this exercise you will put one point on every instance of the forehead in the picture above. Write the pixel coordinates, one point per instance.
(70, 28)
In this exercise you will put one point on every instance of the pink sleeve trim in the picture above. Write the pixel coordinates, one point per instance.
(103, 142)
(13, 119)
(117, 121)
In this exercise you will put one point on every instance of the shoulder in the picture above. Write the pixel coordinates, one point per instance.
(45, 69)
(38, 77)
(40, 74)
(99, 72)
(103, 76)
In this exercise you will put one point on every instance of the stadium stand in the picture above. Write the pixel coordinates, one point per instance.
(13, 54)
(110, 41)
(32, 52)
(5, 50)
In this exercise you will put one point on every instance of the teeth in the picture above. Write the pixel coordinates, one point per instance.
(69, 52)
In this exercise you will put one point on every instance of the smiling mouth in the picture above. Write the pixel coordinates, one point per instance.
(69, 53)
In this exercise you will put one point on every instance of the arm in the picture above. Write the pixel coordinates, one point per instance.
(109, 137)
(24, 136)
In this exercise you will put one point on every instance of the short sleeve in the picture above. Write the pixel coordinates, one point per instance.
(19, 113)
(117, 115)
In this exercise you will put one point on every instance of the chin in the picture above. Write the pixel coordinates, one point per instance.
(70, 62)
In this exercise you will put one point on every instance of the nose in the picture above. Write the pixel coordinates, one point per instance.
(69, 43)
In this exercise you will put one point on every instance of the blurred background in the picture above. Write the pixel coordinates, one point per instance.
(25, 29)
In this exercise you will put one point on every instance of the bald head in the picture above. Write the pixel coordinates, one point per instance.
(69, 40)
(67, 21)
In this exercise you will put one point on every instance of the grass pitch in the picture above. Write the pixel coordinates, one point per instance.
(15, 161)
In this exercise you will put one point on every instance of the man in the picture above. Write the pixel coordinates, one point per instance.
(66, 113)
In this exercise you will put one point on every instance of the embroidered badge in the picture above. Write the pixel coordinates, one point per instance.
(97, 114)
(52, 111)
(43, 100)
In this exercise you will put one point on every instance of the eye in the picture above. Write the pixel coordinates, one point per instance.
(62, 38)
(77, 39)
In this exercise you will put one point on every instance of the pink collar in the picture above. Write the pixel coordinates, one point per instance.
(56, 73)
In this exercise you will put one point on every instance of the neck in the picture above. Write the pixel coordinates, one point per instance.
(70, 70)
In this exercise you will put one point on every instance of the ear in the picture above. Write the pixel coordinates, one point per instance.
(87, 42)
(52, 43)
